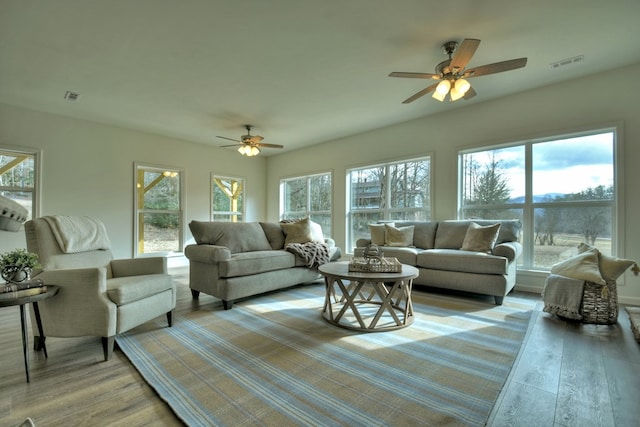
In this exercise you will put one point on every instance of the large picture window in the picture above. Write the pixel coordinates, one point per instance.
(391, 191)
(307, 196)
(159, 214)
(227, 195)
(563, 189)
(18, 178)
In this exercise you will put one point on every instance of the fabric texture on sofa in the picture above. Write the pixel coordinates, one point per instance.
(436, 250)
(238, 260)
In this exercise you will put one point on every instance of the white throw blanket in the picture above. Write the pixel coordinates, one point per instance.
(563, 296)
(78, 233)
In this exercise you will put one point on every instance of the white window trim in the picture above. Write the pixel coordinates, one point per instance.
(36, 201)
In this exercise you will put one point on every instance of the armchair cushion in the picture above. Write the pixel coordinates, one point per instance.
(124, 290)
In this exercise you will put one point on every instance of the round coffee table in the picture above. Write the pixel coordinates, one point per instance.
(367, 302)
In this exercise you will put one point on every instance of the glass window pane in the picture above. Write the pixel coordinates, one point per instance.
(18, 178)
(574, 169)
(493, 176)
(359, 226)
(558, 232)
(295, 195)
(161, 190)
(368, 188)
(421, 215)
(320, 192)
(228, 199)
(409, 185)
(161, 232)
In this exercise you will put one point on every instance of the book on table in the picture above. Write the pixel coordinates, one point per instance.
(22, 289)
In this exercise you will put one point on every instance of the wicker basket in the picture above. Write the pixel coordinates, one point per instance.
(380, 265)
(600, 303)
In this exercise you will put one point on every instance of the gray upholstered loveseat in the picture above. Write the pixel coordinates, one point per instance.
(434, 247)
(237, 260)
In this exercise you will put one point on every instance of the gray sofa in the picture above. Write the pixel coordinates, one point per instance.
(237, 260)
(436, 252)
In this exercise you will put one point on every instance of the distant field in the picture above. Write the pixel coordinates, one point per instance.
(565, 247)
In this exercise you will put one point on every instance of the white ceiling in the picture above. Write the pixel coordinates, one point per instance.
(301, 71)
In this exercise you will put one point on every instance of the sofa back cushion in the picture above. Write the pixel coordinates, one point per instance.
(275, 234)
(450, 234)
(236, 236)
(424, 232)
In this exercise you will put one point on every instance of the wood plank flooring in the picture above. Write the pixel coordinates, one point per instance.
(567, 374)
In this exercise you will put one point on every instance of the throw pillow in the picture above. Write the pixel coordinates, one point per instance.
(297, 232)
(316, 232)
(583, 266)
(378, 234)
(402, 236)
(610, 267)
(479, 238)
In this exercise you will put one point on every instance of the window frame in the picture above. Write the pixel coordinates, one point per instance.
(36, 190)
(386, 211)
(529, 206)
(241, 213)
(137, 167)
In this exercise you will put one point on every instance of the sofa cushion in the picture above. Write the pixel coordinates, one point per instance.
(237, 236)
(462, 261)
(402, 236)
(274, 233)
(248, 263)
(450, 234)
(480, 238)
(124, 290)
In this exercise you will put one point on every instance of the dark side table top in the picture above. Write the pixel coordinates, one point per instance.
(52, 290)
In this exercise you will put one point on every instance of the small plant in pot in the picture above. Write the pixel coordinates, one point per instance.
(16, 265)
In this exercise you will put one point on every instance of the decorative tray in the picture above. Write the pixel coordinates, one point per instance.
(375, 265)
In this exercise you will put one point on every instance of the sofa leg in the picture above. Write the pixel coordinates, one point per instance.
(227, 304)
(499, 300)
(170, 318)
(195, 294)
(38, 342)
(107, 346)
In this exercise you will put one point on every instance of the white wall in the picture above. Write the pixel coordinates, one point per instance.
(87, 169)
(571, 106)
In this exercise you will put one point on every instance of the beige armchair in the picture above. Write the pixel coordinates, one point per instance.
(98, 296)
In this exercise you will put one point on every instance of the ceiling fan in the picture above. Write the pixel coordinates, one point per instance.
(452, 74)
(249, 144)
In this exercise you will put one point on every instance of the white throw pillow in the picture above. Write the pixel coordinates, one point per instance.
(378, 233)
(402, 236)
(583, 266)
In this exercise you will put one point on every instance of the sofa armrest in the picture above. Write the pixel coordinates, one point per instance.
(138, 266)
(509, 250)
(208, 254)
(361, 243)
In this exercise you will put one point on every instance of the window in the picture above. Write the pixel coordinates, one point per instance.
(159, 218)
(227, 195)
(391, 191)
(563, 189)
(307, 196)
(19, 178)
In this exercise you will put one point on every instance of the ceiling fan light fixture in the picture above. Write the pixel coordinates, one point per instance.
(462, 86)
(455, 94)
(441, 90)
(252, 151)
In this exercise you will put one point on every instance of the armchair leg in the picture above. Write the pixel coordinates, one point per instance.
(195, 294)
(107, 346)
(498, 299)
(170, 318)
(227, 305)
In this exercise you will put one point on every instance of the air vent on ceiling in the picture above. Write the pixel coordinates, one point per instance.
(565, 62)
(71, 96)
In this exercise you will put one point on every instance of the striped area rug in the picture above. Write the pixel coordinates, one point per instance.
(272, 360)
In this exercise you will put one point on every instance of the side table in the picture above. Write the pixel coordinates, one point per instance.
(52, 290)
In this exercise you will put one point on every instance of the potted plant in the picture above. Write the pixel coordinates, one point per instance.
(16, 265)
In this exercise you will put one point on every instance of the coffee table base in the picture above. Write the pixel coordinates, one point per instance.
(368, 306)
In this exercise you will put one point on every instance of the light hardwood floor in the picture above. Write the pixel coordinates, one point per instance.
(567, 374)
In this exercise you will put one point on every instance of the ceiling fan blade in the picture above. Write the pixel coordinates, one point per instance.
(463, 54)
(496, 67)
(261, 144)
(414, 75)
(232, 145)
(420, 94)
(470, 94)
(230, 139)
(256, 138)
